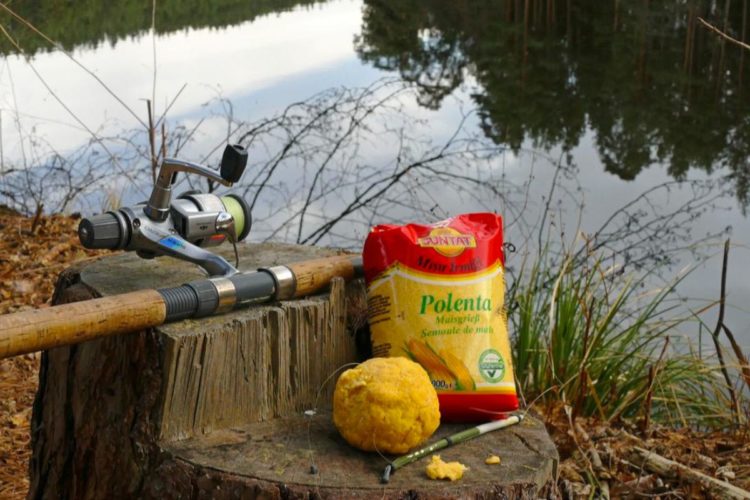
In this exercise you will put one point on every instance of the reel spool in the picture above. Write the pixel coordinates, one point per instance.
(181, 228)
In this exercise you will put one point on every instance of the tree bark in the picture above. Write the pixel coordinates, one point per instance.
(214, 408)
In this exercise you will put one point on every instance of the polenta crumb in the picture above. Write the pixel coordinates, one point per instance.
(437, 469)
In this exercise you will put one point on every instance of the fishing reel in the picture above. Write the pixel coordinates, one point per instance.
(183, 227)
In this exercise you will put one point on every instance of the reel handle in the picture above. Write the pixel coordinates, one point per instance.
(233, 165)
(233, 162)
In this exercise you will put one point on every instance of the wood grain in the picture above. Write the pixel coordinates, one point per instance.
(272, 459)
(40, 329)
(253, 365)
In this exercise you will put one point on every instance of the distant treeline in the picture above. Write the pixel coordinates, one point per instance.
(75, 23)
(647, 78)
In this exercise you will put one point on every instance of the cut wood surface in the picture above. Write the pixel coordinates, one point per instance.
(307, 456)
(212, 408)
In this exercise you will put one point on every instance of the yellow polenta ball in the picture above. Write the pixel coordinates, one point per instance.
(386, 405)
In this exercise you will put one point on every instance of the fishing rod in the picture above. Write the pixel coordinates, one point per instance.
(182, 228)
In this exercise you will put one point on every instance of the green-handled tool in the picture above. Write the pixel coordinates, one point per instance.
(456, 438)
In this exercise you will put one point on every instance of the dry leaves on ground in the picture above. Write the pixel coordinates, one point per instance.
(32, 254)
(721, 455)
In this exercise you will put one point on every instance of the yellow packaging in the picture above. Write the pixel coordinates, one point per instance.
(436, 295)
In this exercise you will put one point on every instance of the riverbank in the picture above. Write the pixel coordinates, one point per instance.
(595, 455)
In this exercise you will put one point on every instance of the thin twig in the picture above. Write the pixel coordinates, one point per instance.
(597, 467)
(649, 399)
(745, 367)
(547, 203)
(169, 106)
(37, 217)
(354, 123)
(151, 140)
(653, 370)
(365, 197)
(15, 106)
(80, 65)
(163, 140)
(94, 136)
(722, 34)
(717, 330)
(153, 47)
(2, 155)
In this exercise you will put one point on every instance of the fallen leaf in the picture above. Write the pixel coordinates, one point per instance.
(21, 419)
(23, 286)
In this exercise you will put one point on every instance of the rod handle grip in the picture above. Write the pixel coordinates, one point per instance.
(65, 324)
(312, 276)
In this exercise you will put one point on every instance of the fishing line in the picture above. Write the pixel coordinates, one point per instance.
(310, 413)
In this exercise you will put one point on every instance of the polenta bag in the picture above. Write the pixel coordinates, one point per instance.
(436, 294)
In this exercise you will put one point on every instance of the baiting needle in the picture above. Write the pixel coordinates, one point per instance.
(456, 438)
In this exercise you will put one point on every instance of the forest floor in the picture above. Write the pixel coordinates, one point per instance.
(595, 457)
(33, 251)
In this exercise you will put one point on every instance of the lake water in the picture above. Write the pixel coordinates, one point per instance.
(569, 111)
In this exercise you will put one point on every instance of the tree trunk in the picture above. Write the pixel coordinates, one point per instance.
(233, 406)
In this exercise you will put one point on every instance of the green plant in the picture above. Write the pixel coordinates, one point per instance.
(597, 340)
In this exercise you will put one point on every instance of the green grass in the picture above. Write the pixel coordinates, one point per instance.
(601, 342)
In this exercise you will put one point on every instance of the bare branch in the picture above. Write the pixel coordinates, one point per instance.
(722, 34)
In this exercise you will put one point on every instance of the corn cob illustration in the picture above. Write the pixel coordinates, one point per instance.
(459, 370)
(423, 354)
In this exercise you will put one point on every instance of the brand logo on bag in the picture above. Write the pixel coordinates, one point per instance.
(447, 241)
(491, 366)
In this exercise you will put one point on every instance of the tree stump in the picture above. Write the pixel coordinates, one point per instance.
(233, 406)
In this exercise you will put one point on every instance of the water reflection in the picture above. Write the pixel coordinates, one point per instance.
(89, 23)
(652, 84)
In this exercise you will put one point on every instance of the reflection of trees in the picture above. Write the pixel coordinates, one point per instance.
(433, 59)
(86, 22)
(644, 76)
(326, 169)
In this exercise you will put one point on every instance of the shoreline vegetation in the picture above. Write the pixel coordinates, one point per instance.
(602, 341)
